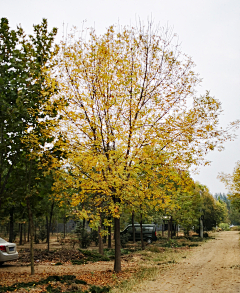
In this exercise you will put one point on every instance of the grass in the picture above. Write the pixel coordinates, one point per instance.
(150, 265)
(67, 280)
(156, 258)
(141, 275)
(90, 256)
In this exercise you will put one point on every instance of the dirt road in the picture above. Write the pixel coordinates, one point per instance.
(213, 267)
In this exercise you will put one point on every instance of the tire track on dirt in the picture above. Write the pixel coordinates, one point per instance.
(213, 267)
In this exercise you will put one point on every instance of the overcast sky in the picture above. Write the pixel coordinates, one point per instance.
(208, 30)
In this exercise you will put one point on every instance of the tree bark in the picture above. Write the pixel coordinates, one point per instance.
(28, 237)
(109, 236)
(163, 227)
(21, 234)
(49, 224)
(169, 230)
(31, 230)
(117, 261)
(133, 228)
(24, 233)
(171, 227)
(142, 242)
(11, 236)
(100, 241)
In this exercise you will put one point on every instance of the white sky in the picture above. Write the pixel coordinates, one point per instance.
(208, 30)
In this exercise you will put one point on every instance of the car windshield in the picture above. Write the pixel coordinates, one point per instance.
(2, 240)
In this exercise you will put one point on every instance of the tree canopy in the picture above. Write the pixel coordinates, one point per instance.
(25, 91)
(130, 105)
(232, 182)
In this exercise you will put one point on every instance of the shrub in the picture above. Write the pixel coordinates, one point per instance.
(94, 237)
(235, 228)
(170, 243)
(84, 237)
(42, 235)
(124, 239)
(224, 226)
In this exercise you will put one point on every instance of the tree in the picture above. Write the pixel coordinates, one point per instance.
(128, 93)
(214, 211)
(27, 114)
(24, 92)
(187, 203)
(232, 182)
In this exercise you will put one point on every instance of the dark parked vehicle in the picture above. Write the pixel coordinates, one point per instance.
(149, 232)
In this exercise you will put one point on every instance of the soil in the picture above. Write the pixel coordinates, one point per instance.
(212, 267)
(98, 273)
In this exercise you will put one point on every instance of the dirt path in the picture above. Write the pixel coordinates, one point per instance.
(213, 267)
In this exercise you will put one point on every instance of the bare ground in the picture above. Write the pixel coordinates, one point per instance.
(212, 267)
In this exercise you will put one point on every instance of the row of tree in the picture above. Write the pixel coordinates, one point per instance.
(232, 182)
(103, 125)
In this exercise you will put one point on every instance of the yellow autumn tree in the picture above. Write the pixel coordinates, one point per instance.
(129, 93)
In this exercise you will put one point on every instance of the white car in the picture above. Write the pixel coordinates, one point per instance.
(8, 251)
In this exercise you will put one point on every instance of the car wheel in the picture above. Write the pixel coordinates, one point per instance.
(149, 240)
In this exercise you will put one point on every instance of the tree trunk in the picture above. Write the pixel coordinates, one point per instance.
(21, 234)
(109, 236)
(142, 242)
(47, 227)
(100, 241)
(49, 224)
(28, 231)
(169, 230)
(24, 233)
(83, 243)
(200, 227)
(163, 227)
(171, 227)
(174, 229)
(31, 230)
(11, 236)
(117, 261)
(82, 234)
(133, 228)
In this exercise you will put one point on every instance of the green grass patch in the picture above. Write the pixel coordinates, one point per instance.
(90, 256)
(109, 252)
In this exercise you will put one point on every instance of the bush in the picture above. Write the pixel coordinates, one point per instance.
(224, 226)
(170, 243)
(36, 239)
(235, 228)
(124, 239)
(94, 237)
(42, 235)
(84, 237)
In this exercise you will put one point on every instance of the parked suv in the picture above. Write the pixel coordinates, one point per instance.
(149, 232)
